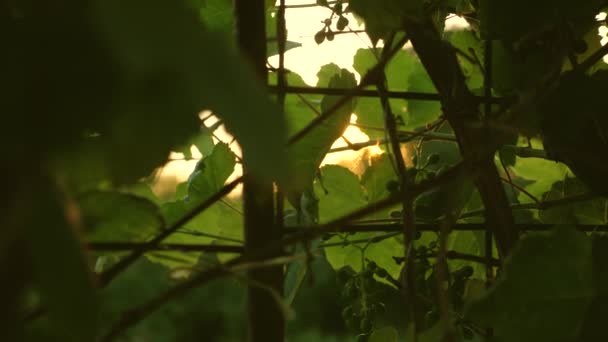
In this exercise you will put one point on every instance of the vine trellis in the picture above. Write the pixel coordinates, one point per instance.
(436, 59)
(267, 236)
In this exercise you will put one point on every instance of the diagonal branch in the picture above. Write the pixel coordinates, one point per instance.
(407, 204)
(460, 108)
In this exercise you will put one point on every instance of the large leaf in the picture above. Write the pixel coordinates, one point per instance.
(306, 155)
(543, 291)
(61, 271)
(119, 217)
(174, 68)
(369, 110)
(339, 192)
(345, 194)
(375, 181)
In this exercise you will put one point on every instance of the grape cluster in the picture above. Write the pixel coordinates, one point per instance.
(362, 308)
(326, 32)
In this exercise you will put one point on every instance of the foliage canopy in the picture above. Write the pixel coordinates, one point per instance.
(483, 219)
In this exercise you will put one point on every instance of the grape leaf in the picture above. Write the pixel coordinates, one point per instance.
(119, 217)
(211, 172)
(208, 177)
(169, 57)
(376, 177)
(203, 141)
(369, 110)
(344, 193)
(585, 212)
(543, 291)
(421, 112)
(469, 43)
(306, 155)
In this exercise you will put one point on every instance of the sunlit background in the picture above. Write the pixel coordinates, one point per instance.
(306, 61)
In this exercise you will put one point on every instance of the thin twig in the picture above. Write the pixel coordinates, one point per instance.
(409, 226)
(520, 188)
(361, 92)
(543, 205)
(182, 247)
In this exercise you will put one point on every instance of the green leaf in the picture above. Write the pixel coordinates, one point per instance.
(386, 334)
(369, 111)
(169, 57)
(211, 172)
(218, 15)
(306, 155)
(202, 229)
(350, 254)
(344, 192)
(119, 217)
(326, 73)
(452, 195)
(467, 242)
(468, 42)
(543, 172)
(231, 226)
(61, 271)
(544, 290)
(421, 112)
(376, 177)
(208, 177)
(585, 212)
(375, 180)
(273, 47)
(202, 141)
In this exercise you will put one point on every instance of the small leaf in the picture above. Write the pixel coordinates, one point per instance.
(211, 172)
(540, 296)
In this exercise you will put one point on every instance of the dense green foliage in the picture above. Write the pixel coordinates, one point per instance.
(96, 94)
